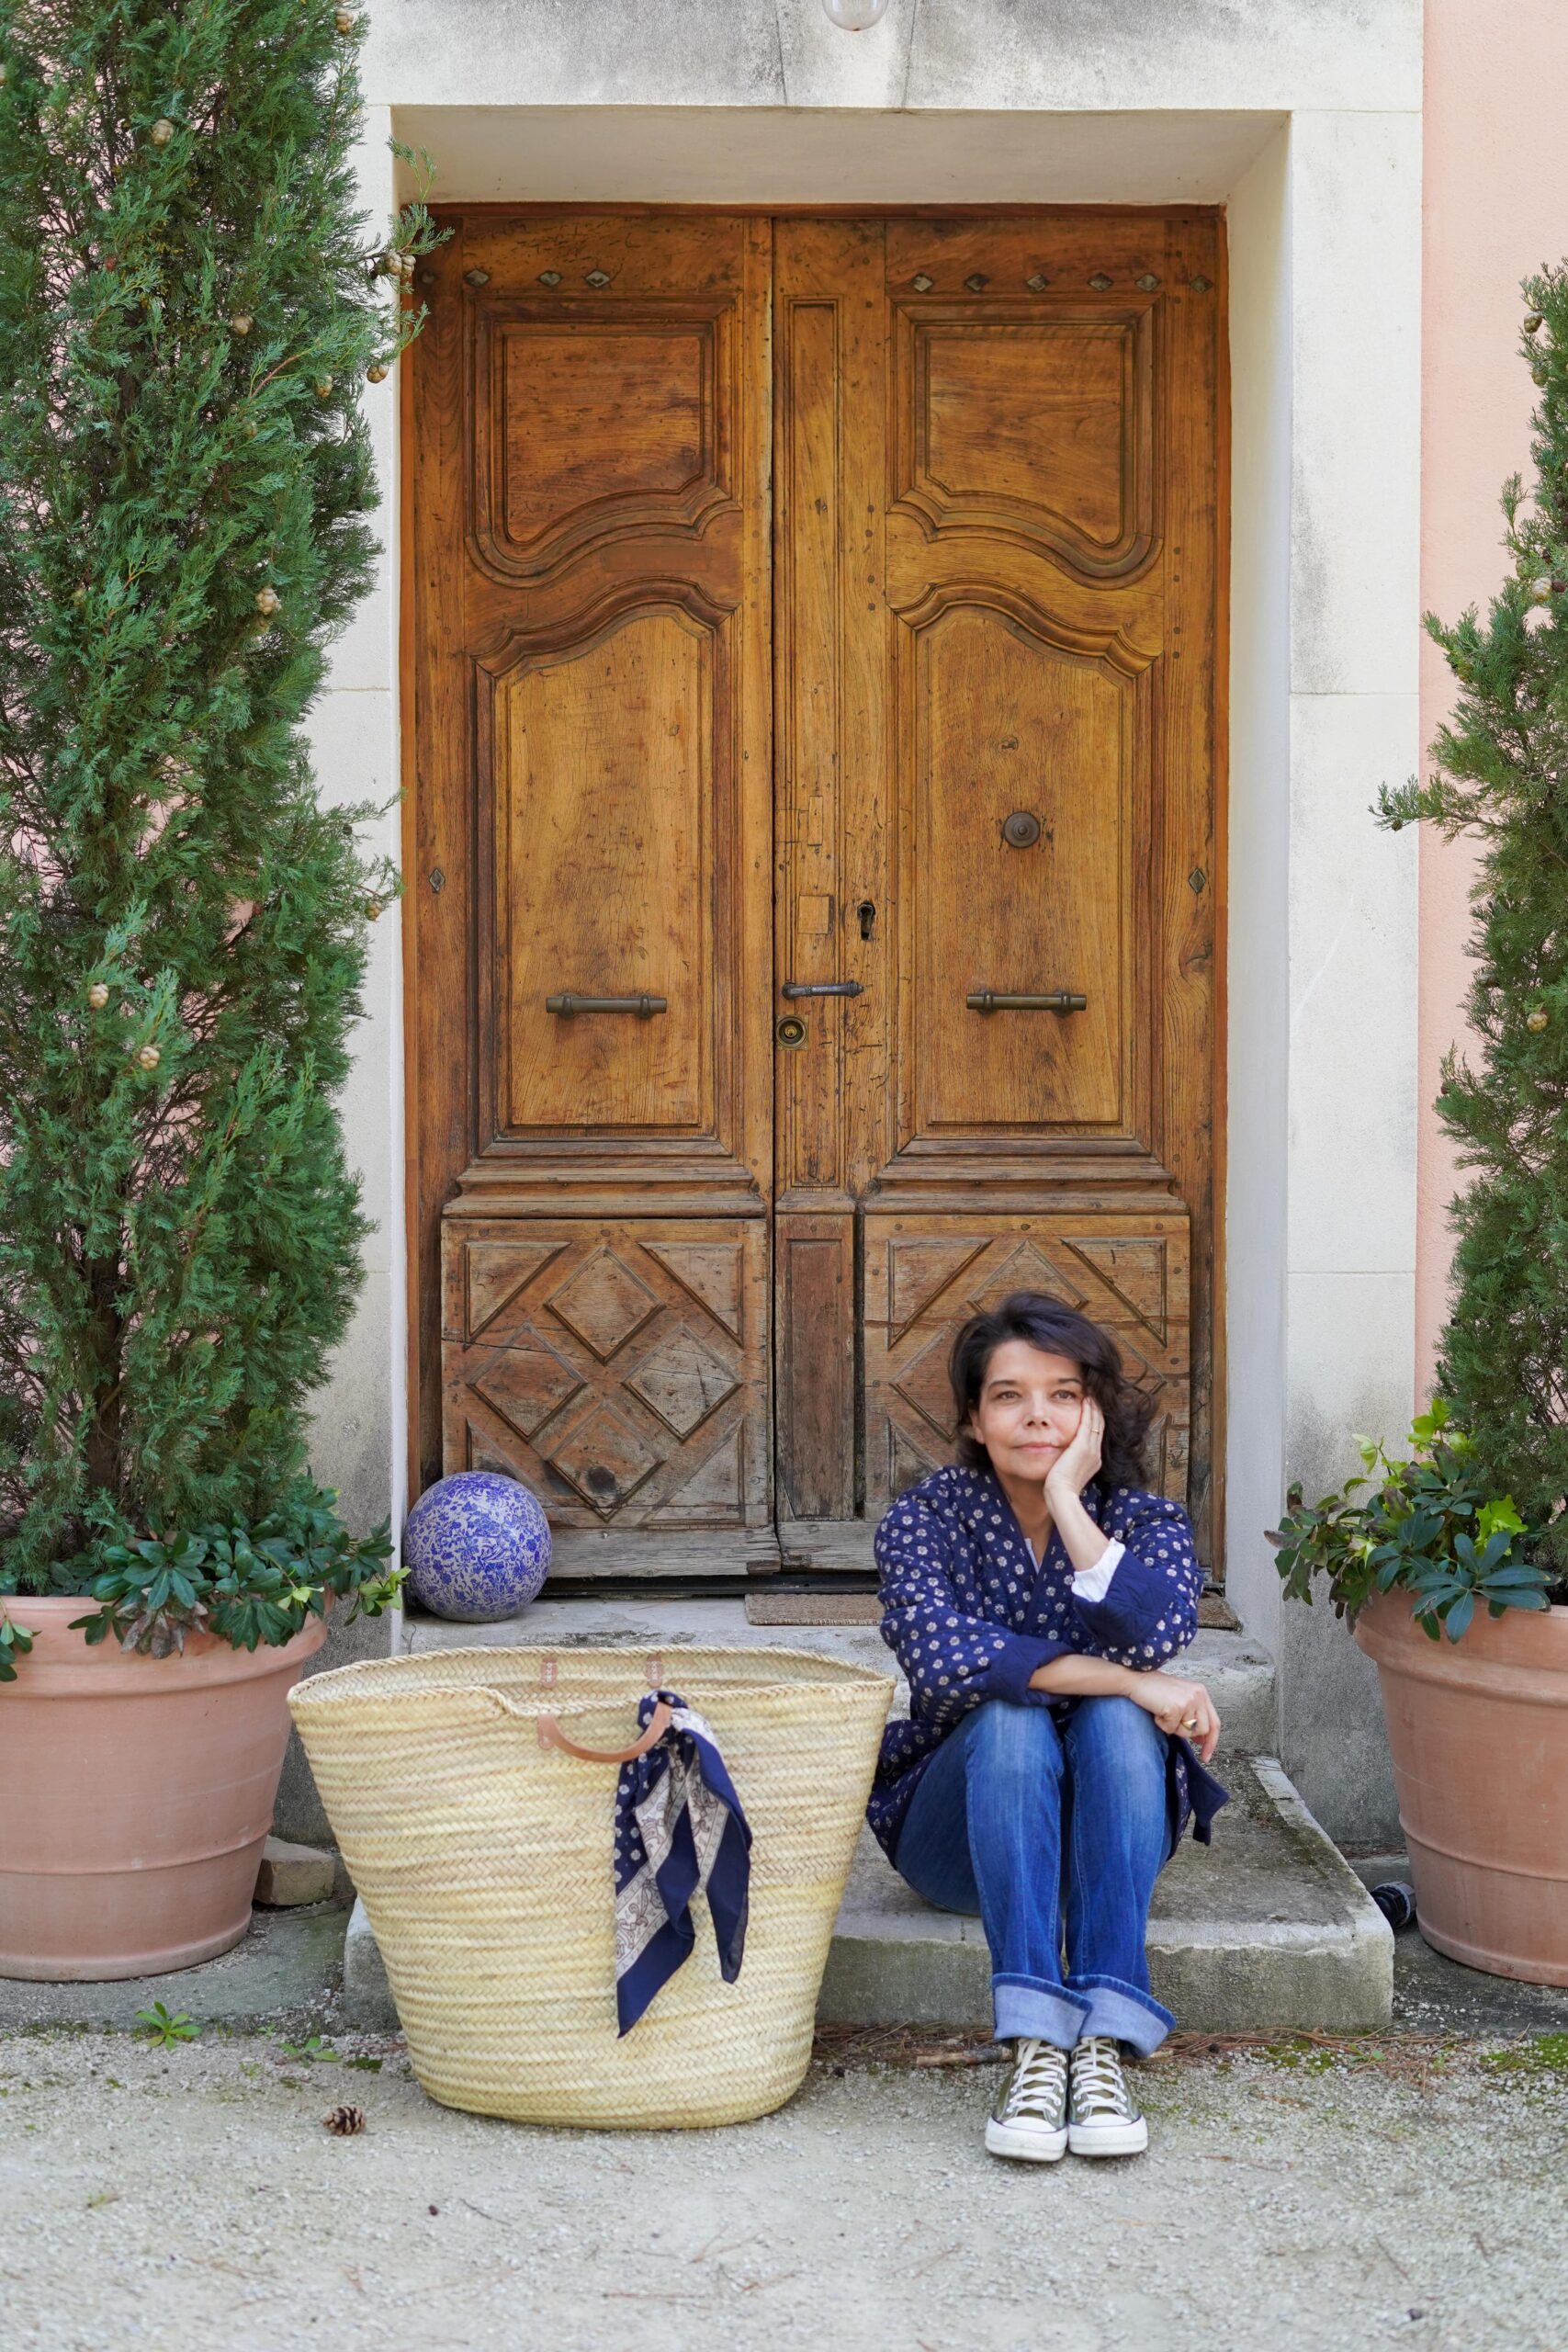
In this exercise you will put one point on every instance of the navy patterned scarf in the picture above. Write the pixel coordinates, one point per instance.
(679, 1830)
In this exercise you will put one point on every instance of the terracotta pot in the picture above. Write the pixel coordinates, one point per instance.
(135, 1796)
(1479, 1731)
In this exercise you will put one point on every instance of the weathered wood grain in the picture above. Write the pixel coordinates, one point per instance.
(758, 572)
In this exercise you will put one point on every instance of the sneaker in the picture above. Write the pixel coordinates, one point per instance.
(1030, 2120)
(1104, 2118)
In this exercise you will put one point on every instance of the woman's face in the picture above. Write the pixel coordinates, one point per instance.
(1029, 1408)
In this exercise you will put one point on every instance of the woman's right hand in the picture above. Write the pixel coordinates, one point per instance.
(1180, 1707)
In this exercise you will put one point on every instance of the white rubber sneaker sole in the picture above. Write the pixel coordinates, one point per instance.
(1028, 2143)
(1109, 2138)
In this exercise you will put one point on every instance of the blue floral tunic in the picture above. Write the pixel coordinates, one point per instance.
(969, 1616)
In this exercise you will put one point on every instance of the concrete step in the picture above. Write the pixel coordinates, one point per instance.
(1238, 1672)
(1268, 1928)
(1267, 1931)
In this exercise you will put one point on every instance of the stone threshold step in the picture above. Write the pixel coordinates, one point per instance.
(1268, 1930)
(1238, 1672)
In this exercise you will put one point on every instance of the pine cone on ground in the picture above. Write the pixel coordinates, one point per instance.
(343, 2121)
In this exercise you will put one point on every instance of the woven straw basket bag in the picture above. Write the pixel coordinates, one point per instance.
(480, 1837)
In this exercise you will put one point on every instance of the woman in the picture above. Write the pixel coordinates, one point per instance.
(1035, 1596)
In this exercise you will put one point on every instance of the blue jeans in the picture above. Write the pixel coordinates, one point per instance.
(1020, 1819)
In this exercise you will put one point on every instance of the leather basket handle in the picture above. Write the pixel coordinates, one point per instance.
(552, 1735)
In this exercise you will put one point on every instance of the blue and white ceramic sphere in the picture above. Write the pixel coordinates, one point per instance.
(477, 1547)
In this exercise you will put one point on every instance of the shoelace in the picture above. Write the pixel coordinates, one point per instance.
(1039, 2081)
(1098, 2083)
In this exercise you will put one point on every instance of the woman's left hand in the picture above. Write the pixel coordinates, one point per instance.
(1071, 1471)
(1182, 1707)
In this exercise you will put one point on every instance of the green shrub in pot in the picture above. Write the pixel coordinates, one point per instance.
(1467, 1535)
(190, 304)
(1424, 1523)
(193, 313)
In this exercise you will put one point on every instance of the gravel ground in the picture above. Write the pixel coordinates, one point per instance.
(1411, 2191)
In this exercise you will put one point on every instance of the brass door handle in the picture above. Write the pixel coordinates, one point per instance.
(645, 1007)
(1055, 1000)
(820, 987)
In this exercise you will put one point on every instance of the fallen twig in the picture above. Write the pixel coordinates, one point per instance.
(991, 2055)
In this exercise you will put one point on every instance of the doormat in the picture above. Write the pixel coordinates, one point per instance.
(813, 1609)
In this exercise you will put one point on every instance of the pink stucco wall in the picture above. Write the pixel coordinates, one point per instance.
(1496, 206)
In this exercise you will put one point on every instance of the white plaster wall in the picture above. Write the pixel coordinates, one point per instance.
(1320, 1223)
(1257, 949)
(358, 1441)
(831, 155)
(1038, 56)
(1303, 115)
(1355, 723)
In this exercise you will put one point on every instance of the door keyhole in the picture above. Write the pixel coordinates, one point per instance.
(866, 915)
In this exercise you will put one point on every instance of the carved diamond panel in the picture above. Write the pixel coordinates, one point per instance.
(619, 1368)
(926, 1276)
(605, 1459)
(918, 1271)
(604, 1303)
(1136, 1272)
(683, 1381)
(1026, 1267)
(527, 1382)
(924, 1384)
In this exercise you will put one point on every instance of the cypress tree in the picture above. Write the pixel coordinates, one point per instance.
(1499, 775)
(190, 305)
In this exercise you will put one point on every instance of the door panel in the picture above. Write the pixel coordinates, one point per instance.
(834, 726)
(924, 1276)
(813, 641)
(996, 519)
(592, 712)
(1037, 430)
(1007, 725)
(602, 804)
(618, 1365)
(814, 1355)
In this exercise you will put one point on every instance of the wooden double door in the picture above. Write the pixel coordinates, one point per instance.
(812, 865)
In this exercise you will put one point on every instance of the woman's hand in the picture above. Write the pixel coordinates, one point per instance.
(1180, 1707)
(1071, 1471)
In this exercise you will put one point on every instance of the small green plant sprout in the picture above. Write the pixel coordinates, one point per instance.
(16, 1641)
(1543, 2053)
(314, 2052)
(164, 2032)
(1424, 1524)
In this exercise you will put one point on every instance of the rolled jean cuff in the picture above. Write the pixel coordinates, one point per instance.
(1121, 2012)
(1028, 2010)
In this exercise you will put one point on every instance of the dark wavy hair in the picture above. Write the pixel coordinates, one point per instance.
(1058, 1331)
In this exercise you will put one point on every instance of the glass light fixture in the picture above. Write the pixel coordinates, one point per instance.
(854, 16)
